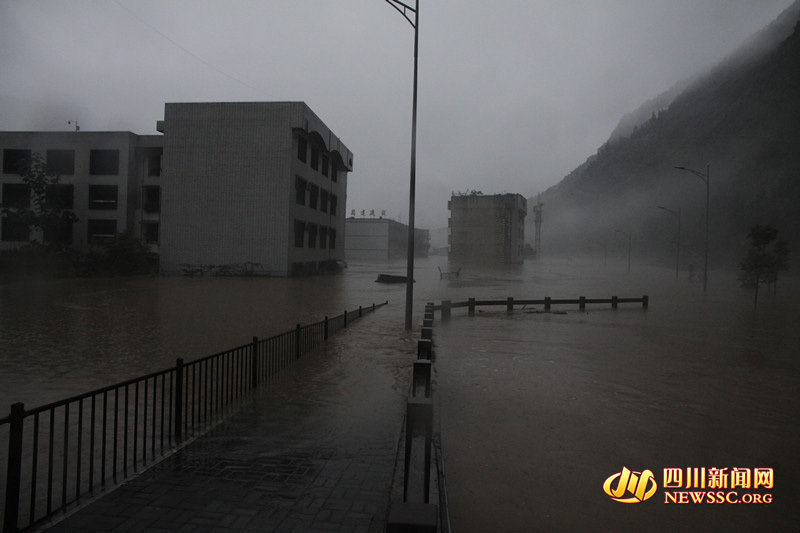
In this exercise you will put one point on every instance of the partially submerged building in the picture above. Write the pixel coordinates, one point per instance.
(488, 229)
(381, 239)
(255, 187)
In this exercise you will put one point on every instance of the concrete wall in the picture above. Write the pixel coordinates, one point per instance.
(487, 228)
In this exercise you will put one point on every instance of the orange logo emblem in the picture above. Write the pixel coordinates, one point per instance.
(639, 486)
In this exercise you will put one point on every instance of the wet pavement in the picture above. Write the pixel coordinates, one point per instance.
(314, 451)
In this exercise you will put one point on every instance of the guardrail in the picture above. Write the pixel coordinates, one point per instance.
(446, 306)
(73, 448)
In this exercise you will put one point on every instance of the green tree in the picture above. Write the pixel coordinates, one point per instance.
(44, 212)
(764, 259)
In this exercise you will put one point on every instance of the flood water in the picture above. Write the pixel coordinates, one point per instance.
(537, 409)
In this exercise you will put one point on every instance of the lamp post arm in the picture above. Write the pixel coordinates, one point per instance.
(403, 9)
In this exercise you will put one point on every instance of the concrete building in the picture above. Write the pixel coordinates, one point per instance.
(487, 228)
(256, 188)
(381, 240)
(105, 178)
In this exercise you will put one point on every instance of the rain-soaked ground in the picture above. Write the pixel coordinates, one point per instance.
(537, 409)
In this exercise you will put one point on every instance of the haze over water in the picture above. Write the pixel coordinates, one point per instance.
(537, 409)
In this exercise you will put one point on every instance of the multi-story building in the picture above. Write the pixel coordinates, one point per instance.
(382, 239)
(487, 228)
(255, 187)
(108, 179)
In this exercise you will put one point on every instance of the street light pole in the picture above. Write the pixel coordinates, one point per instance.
(677, 239)
(404, 10)
(706, 178)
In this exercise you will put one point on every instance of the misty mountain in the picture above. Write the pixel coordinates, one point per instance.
(742, 119)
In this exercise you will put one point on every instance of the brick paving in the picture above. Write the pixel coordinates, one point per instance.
(314, 451)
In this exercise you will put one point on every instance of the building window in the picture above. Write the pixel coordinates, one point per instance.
(324, 164)
(16, 195)
(150, 232)
(300, 190)
(60, 196)
(101, 230)
(334, 171)
(15, 229)
(154, 165)
(313, 194)
(323, 201)
(60, 233)
(61, 162)
(331, 238)
(302, 149)
(151, 199)
(16, 161)
(104, 162)
(312, 235)
(299, 233)
(333, 202)
(103, 197)
(323, 236)
(315, 158)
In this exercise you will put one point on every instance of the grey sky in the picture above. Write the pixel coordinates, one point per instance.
(513, 94)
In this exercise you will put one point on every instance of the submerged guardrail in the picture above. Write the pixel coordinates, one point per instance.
(79, 446)
(446, 306)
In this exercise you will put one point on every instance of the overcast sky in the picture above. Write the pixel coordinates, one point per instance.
(513, 94)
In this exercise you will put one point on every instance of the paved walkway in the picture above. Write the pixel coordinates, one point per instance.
(314, 451)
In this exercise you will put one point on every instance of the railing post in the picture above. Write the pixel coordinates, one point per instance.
(326, 327)
(471, 306)
(645, 301)
(373, 306)
(510, 304)
(614, 302)
(582, 303)
(446, 309)
(178, 414)
(547, 303)
(255, 363)
(13, 479)
(297, 342)
(345, 318)
(359, 311)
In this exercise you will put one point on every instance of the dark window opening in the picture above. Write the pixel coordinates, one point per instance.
(315, 158)
(150, 232)
(312, 235)
(324, 165)
(323, 236)
(60, 196)
(333, 201)
(102, 196)
(334, 171)
(15, 229)
(313, 194)
(104, 162)
(59, 232)
(331, 238)
(299, 233)
(300, 190)
(101, 230)
(16, 161)
(151, 199)
(61, 162)
(323, 201)
(302, 149)
(154, 165)
(16, 195)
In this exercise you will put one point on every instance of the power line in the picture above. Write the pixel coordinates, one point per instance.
(184, 49)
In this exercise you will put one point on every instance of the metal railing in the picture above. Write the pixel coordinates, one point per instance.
(74, 448)
(446, 305)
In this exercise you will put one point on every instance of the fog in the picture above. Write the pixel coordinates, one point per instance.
(513, 95)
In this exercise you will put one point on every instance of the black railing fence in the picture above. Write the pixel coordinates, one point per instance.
(71, 449)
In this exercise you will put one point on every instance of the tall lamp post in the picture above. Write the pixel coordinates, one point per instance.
(706, 178)
(677, 239)
(404, 9)
(629, 247)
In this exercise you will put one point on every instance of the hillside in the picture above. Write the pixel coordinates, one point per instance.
(742, 119)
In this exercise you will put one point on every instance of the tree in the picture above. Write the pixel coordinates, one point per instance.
(42, 211)
(764, 259)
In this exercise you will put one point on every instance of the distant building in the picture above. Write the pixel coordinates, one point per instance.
(255, 187)
(487, 228)
(381, 239)
(108, 179)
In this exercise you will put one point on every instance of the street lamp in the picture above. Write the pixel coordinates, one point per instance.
(404, 9)
(706, 178)
(677, 239)
(629, 247)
